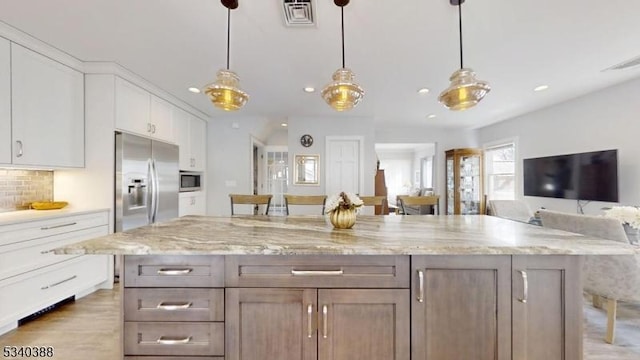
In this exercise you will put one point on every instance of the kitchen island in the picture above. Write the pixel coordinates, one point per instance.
(411, 287)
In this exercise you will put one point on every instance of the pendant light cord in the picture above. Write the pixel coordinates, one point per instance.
(228, 34)
(342, 20)
(460, 28)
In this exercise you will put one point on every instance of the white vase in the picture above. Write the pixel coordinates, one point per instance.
(633, 234)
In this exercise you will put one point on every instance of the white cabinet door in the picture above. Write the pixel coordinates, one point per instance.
(47, 111)
(198, 140)
(181, 120)
(5, 102)
(192, 203)
(161, 119)
(133, 108)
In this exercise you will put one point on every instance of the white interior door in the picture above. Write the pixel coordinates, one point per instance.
(344, 164)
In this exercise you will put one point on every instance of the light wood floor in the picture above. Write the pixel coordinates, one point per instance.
(88, 329)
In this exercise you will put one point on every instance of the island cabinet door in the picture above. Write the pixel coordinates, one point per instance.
(370, 324)
(270, 324)
(547, 307)
(461, 307)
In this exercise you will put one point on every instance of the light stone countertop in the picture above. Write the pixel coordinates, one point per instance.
(372, 235)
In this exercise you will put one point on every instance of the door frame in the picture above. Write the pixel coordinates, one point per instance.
(332, 138)
(255, 142)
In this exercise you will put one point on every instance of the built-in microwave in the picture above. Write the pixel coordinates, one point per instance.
(190, 181)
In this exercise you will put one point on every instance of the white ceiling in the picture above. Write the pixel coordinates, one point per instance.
(394, 47)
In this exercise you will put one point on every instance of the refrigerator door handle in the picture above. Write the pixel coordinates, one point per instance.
(150, 191)
(156, 191)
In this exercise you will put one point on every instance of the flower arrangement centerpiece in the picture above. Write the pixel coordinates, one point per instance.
(342, 209)
(629, 216)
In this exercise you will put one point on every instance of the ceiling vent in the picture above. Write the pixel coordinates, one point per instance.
(298, 13)
(625, 64)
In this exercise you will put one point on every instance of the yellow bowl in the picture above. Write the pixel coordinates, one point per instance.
(48, 205)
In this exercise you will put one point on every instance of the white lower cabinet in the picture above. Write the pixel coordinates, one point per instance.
(192, 203)
(33, 278)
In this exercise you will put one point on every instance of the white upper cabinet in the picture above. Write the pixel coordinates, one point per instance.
(181, 120)
(191, 136)
(139, 112)
(5, 102)
(161, 120)
(133, 108)
(198, 138)
(47, 111)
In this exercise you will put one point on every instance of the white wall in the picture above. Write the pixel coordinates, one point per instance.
(229, 158)
(320, 128)
(279, 137)
(606, 119)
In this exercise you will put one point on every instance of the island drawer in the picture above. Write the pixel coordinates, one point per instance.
(174, 338)
(144, 304)
(322, 271)
(173, 271)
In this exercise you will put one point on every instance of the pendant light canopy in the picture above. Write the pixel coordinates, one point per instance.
(342, 93)
(465, 90)
(225, 92)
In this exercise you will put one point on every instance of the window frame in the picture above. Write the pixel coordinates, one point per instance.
(517, 168)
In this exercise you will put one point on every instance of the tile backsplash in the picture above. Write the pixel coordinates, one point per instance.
(19, 188)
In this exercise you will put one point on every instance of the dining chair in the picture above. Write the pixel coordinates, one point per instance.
(380, 201)
(611, 277)
(251, 200)
(304, 200)
(409, 203)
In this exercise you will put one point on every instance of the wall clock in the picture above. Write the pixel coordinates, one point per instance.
(306, 140)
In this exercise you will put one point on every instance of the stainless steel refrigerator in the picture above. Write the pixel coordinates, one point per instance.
(147, 181)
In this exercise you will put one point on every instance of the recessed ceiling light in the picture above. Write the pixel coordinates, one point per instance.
(194, 90)
(309, 89)
(431, 116)
(284, 124)
(423, 91)
(541, 88)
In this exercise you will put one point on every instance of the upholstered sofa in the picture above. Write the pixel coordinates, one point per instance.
(418, 209)
(615, 278)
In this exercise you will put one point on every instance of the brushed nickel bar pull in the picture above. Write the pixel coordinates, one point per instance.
(20, 153)
(46, 251)
(309, 321)
(173, 306)
(525, 283)
(173, 341)
(325, 315)
(57, 226)
(420, 286)
(58, 283)
(174, 271)
(317, 272)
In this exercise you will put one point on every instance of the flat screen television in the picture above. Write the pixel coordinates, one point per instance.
(583, 176)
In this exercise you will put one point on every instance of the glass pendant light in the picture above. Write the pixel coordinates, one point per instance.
(343, 93)
(465, 90)
(225, 92)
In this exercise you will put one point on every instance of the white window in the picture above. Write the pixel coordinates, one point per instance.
(500, 171)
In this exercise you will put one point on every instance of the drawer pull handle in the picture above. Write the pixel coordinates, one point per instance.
(309, 321)
(173, 341)
(58, 283)
(174, 271)
(317, 272)
(46, 251)
(174, 306)
(57, 226)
